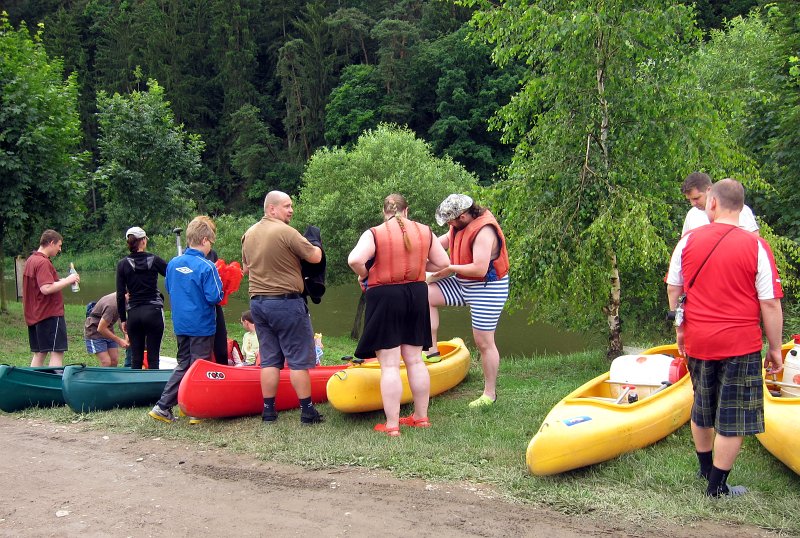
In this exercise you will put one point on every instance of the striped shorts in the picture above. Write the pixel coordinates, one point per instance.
(485, 299)
(728, 394)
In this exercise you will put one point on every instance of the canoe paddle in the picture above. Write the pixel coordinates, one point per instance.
(177, 232)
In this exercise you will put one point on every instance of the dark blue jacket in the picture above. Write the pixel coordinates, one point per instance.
(194, 289)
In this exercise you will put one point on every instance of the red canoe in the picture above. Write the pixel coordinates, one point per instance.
(210, 390)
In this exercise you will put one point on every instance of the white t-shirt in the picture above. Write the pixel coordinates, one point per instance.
(697, 217)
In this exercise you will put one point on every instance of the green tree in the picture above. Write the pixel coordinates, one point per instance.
(608, 122)
(343, 189)
(354, 105)
(305, 67)
(746, 66)
(258, 158)
(350, 28)
(468, 91)
(713, 14)
(395, 39)
(147, 162)
(41, 176)
(778, 128)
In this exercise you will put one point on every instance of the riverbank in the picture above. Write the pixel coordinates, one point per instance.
(654, 487)
(148, 478)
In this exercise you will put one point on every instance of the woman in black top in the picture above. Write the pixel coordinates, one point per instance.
(137, 274)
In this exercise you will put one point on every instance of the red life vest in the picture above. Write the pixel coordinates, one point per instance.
(461, 245)
(393, 263)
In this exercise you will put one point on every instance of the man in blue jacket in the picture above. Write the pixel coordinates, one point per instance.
(194, 289)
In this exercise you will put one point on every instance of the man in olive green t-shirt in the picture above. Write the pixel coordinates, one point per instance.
(271, 255)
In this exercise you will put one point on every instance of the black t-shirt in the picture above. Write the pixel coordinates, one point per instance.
(137, 274)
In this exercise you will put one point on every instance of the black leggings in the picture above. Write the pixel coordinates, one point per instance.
(145, 329)
(221, 338)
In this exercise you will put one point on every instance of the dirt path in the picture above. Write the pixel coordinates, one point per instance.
(57, 480)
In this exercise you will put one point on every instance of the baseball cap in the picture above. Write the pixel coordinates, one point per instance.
(136, 232)
(452, 207)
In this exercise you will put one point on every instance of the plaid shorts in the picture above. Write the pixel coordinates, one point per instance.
(728, 394)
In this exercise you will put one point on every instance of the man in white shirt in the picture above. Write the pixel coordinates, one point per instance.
(695, 188)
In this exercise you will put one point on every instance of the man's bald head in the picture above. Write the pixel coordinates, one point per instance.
(278, 205)
(729, 194)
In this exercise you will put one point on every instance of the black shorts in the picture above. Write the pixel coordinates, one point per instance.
(396, 314)
(48, 335)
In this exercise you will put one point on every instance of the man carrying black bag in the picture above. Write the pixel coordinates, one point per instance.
(272, 252)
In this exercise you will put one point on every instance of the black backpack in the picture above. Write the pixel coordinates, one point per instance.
(90, 307)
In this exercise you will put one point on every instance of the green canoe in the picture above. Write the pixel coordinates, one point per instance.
(22, 387)
(94, 388)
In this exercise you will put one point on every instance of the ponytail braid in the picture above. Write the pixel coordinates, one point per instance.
(406, 240)
(395, 204)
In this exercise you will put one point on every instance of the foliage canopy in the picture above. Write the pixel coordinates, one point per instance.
(41, 178)
(147, 161)
(609, 121)
(343, 189)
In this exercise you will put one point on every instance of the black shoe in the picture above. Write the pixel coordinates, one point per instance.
(269, 416)
(727, 491)
(311, 417)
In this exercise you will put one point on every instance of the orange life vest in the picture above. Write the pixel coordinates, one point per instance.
(393, 263)
(461, 245)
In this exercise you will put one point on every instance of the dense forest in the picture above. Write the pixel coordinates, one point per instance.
(266, 83)
(576, 123)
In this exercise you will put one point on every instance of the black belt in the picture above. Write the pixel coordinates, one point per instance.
(276, 297)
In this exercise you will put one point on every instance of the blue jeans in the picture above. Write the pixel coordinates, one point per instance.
(284, 333)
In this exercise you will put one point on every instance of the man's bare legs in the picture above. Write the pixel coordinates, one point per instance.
(56, 358)
(435, 300)
(490, 361)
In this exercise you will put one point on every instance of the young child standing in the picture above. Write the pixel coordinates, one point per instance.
(194, 288)
(250, 339)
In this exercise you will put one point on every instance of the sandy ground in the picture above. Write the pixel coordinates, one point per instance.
(57, 480)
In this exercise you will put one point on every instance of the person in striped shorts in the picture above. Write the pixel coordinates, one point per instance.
(477, 276)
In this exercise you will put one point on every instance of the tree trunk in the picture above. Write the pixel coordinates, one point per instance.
(612, 312)
(358, 323)
(364, 50)
(3, 298)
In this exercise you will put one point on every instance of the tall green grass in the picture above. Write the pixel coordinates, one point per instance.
(487, 447)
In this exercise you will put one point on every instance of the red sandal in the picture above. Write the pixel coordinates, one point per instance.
(391, 432)
(415, 422)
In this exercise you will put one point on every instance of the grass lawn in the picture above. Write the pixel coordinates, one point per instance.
(656, 484)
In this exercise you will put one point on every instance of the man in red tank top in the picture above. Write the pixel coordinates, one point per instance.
(729, 285)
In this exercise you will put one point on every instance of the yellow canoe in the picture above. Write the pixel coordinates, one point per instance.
(358, 388)
(781, 435)
(588, 427)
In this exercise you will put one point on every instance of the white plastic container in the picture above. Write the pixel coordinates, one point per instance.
(791, 370)
(646, 372)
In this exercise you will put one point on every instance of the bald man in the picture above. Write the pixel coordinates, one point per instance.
(271, 255)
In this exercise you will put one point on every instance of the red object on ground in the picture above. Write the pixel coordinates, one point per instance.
(231, 276)
(210, 390)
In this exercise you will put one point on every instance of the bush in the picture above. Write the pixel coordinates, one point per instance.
(343, 190)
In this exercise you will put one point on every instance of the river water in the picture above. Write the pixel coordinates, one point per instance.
(335, 315)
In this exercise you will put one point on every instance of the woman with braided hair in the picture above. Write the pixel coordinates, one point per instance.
(390, 261)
